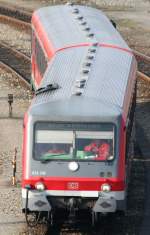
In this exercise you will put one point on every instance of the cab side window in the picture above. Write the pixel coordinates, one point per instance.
(40, 57)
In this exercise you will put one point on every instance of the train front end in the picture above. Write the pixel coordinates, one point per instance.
(73, 166)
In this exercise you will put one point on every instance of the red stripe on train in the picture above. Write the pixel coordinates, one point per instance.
(51, 51)
(80, 184)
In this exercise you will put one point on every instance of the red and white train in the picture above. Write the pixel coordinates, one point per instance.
(79, 128)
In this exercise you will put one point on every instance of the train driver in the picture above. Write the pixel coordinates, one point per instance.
(100, 148)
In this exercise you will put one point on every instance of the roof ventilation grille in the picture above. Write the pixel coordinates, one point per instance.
(92, 50)
(82, 80)
(83, 23)
(87, 64)
(80, 84)
(95, 44)
(90, 57)
(80, 18)
(87, 29)
(78, 91)
(76, 11)
(90, 35)
(85, 71)
(85, 77)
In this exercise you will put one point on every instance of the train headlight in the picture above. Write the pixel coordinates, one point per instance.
(40, 186)
(110, 158)
(73, 166)
(106, 188)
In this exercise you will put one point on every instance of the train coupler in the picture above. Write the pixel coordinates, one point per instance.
(72, 211)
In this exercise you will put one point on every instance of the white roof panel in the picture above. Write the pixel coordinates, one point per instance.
(105, 70)
(63, 27)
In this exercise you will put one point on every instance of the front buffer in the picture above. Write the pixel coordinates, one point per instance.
(51, 195)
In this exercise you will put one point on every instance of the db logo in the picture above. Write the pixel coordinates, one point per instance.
(73, 185)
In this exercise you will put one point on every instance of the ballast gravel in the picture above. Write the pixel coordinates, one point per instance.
(16, 38)
(11, 138)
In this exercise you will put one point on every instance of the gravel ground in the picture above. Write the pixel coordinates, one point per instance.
(16, 38)
(10, 197)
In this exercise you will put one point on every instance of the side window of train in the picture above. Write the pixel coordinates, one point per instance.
(40, 57)
(130, 121)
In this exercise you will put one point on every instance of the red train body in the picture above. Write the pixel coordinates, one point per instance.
(84, 75)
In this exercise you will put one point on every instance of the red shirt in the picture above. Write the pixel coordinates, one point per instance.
(101, 150)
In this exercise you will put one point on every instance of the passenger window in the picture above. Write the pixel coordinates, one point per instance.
(40, 57)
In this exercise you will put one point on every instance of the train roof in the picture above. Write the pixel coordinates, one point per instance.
(76, 109)
(64, 26)
(95, 81)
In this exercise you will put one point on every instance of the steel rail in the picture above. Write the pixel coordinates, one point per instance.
(16, 62)
(142, 56)
(11, 70)
(14, 21)
(27, 58)
(13, 12)
(143, 76)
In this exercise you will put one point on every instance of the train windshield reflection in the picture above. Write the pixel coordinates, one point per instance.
(82, 145)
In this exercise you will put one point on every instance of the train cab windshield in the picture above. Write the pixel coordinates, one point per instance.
(79, 145)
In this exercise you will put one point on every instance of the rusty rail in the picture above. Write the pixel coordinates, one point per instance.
(16, 22)
(142, 56)
(143, 76)
(145, 58)
(15, 62)
(14, 12)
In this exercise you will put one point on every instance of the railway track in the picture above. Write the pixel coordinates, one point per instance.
(17, 17)
(143, 65)
(11, 59)
(17, 23)
(143, 75)
(13, 12)
(16, 62)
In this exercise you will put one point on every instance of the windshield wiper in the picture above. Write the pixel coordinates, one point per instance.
(49, 87)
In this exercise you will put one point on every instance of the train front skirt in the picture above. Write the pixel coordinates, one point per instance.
(96, 201)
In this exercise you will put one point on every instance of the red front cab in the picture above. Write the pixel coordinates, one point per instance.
(82, 183)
